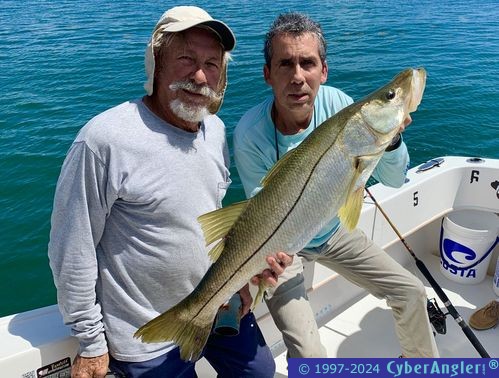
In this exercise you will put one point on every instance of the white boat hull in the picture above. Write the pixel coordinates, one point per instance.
(353, 324)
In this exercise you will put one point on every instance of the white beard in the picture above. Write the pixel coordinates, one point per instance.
(188, 113)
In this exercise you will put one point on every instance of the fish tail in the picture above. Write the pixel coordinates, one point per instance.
(179, 326)
(259, 296)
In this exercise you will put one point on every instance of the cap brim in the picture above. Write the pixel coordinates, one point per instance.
(221, 30)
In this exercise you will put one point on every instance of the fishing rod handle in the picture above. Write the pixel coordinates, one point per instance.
(473, 339)
(452, 310)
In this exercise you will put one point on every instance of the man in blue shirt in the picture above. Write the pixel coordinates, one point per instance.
(295, 68)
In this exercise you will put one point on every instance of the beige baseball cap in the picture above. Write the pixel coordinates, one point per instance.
(181, 18)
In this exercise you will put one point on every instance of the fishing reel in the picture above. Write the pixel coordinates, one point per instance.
(437, 316)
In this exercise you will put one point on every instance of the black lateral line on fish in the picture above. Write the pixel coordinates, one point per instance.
(276, 229)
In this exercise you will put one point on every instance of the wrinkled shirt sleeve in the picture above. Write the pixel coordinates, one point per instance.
(81, 204)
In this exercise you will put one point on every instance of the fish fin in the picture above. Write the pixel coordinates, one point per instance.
(178, 326)
(216, 251)
(216, 224)
(259, 296)
(275, 168)
(350, 212)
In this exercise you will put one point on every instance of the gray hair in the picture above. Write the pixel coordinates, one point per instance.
(162, 40)
(295, 24)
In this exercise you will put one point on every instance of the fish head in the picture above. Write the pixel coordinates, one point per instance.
(385, 110)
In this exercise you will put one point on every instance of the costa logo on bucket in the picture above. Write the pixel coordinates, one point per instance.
(462, 259)
(467, 238)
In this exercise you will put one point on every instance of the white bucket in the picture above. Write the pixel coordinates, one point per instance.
(467, 238)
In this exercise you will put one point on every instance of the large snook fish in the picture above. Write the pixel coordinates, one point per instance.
(324, 176)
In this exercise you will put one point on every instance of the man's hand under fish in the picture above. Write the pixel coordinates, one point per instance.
(277, 266)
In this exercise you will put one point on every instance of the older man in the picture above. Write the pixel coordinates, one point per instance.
(125, 244)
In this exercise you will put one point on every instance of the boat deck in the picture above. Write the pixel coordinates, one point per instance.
(364, 327)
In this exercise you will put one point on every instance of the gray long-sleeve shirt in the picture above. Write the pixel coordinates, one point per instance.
(124, 243)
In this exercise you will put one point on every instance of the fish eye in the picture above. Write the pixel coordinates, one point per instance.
(390, 95)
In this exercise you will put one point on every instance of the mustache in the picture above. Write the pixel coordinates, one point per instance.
(203, 90)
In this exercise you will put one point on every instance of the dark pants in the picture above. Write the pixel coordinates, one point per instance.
(244, 355)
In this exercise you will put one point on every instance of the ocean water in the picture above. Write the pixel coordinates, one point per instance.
(63, 62)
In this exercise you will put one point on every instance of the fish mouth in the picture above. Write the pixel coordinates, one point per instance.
(418, 84)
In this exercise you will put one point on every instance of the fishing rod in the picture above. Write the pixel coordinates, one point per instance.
(443, 297)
